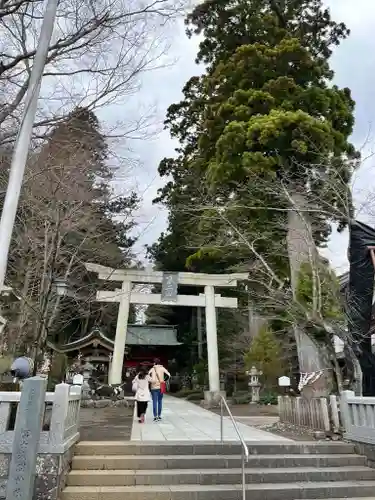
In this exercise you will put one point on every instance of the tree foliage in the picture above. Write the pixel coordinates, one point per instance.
(68, 215)
(266, 354)
(264, 108)
(264, 120)
(320, 283)
(96, 56)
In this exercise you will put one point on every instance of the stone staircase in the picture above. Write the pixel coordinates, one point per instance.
(211, 471)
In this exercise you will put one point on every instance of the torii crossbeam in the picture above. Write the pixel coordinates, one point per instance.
(169, 296)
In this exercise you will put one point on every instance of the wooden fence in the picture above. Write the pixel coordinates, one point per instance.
(353, 415)
(318, 414)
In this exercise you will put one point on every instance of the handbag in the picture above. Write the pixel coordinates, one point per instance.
(163, 385)
(134, 386)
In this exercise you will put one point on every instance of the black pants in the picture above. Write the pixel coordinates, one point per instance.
(141, 408)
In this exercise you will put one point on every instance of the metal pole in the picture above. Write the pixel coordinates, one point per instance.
(243, 476)
(221, 421)
(21, 148)
(249, 313)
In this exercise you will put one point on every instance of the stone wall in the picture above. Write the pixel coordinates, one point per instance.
(51, 472)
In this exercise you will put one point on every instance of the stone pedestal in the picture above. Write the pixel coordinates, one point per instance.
(254, 384)
(213, 398)
(51, 472)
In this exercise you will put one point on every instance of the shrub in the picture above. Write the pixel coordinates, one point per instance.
(195, 396)
(187, 393)
(265, 354)
(241, 398)
(201, 370)
(268, 398)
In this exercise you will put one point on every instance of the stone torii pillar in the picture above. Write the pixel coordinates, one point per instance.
(169, 296)
(211, 334)
(115, 372)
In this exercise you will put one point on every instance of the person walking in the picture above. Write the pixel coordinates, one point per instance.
(140, 386)
(158, 387)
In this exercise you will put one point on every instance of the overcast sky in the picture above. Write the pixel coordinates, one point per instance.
(354, 65)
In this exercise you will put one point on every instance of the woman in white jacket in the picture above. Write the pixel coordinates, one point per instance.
(141, 388)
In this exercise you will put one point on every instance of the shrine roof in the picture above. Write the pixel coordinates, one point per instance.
(141, 335)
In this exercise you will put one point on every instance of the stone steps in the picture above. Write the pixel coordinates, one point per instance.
(212, 471)
(286, 491)
(199, 462)
(217, 476)
(210, 448)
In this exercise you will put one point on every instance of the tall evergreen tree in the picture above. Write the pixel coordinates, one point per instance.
(264, 120)
(68, 215)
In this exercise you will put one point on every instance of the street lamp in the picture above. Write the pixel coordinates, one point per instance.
(61, 288)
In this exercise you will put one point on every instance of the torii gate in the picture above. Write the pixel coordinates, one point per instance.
(169, 296)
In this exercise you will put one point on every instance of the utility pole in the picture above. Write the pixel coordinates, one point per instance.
(249, 314)
(250, 319)
(22, 144)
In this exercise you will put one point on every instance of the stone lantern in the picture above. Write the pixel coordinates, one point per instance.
(254, 383)
(87, 370)
(222, 381)
(195, 380)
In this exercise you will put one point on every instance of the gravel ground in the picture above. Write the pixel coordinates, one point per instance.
(266, 418)
(289, 431)
(251, 410)
(106, 424)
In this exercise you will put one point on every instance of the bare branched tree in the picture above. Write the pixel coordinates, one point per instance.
(228, 226)
(64, 219)
(97, 54)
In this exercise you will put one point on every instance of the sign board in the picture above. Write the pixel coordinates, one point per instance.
(75, 390)
(284, 382)
(169, 287)
(78, 379)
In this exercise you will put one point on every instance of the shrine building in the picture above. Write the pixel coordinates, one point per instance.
(143, 344)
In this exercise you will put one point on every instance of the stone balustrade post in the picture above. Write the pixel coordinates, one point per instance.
(59, 414)
(29, 421)
(344, 410)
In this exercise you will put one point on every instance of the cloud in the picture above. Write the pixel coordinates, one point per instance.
(160, 88)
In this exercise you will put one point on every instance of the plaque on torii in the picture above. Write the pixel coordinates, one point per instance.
(169, 287)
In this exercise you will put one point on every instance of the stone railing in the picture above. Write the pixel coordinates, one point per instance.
(60, 420)
(317, 414)
(38, 431)
(358, 415)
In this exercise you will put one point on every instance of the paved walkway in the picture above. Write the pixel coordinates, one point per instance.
(184, 421)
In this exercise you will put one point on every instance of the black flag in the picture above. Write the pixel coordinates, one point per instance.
(360, 298)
